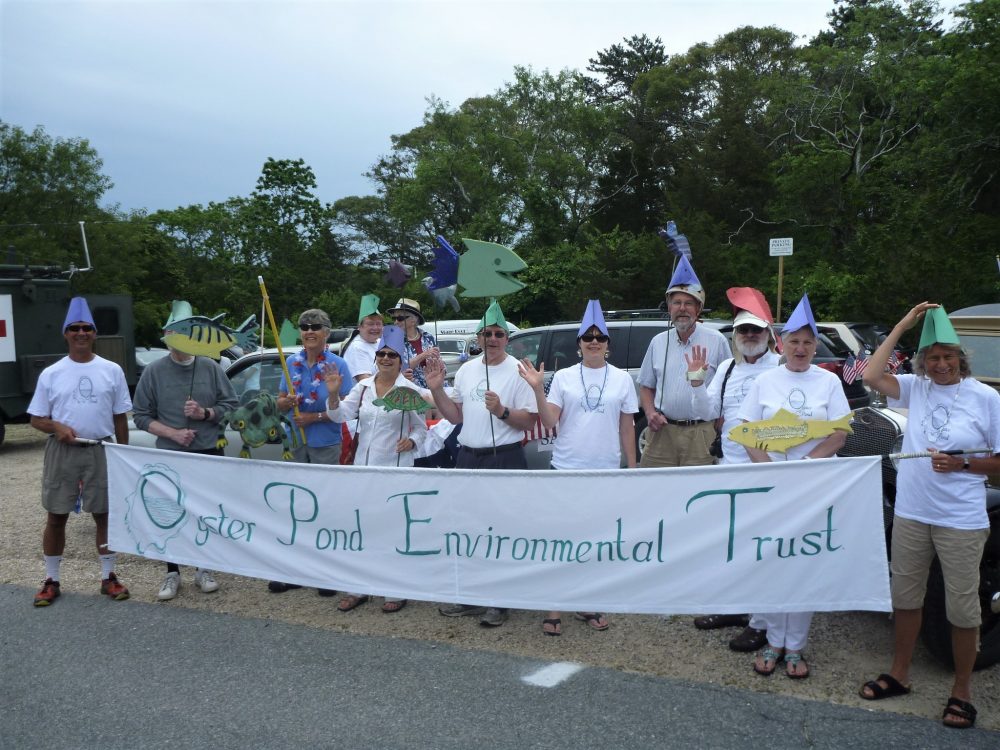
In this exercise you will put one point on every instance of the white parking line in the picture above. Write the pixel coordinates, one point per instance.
(553, 674)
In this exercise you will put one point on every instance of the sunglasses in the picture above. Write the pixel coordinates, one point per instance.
(748, 329)
(311, 326)
(80, 329)
(493, 334)
(401, 318)
(600, 338)
(387, 355)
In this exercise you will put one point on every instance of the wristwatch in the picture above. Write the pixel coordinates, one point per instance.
(506, 413)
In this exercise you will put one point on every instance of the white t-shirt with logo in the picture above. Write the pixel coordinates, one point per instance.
(815, 394)
(82, 395)
(964, 416)
(591, 410)
(470, 392)
(707, 400)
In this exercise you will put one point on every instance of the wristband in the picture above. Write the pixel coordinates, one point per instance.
(208, 413)
(697, 374)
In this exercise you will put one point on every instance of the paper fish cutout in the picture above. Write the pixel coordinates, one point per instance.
(209, 337)
(486, 269)
(445, 271)
(785, 430)
(398, 274)
(402, 398)
(442, 296)
(677, 242)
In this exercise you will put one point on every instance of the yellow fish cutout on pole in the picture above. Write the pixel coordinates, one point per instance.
(785, 430)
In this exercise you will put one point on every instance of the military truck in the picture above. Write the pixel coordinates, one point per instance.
(33, 303)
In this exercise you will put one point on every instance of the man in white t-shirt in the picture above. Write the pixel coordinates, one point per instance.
(495, 406)
(80, 401)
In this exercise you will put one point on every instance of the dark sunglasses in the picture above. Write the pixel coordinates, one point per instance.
(401, 318)
(80, 329)
(493, 334)
(311, 326)
(387, 355)
(600, 338)
(748, 329)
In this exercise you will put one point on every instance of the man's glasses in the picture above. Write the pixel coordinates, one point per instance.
(600, 338)
(400, 318)
(748, 329)
(311, 326)
(387, 355)
(493, 334)
(80, 329)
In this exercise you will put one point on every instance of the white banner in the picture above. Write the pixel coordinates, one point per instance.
(782, 537)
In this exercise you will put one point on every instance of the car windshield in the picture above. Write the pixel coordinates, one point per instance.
(451, 346)
(251, 376)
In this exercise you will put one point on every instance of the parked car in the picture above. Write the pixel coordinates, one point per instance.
(145, 356)
(455, 350)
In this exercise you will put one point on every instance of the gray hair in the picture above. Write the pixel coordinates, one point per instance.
(314, 316)
(920, 361)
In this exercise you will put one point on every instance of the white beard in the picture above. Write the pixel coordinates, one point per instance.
(749, 350)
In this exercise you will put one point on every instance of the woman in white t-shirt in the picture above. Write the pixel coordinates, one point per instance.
(592, 403)
(940, 500)
(812, 393)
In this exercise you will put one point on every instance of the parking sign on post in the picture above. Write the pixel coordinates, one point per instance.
(781, 246)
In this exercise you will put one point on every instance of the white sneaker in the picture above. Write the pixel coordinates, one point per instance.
(203, 579)
(169, 588)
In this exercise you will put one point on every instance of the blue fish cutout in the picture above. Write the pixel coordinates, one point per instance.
(677, 242)
(445, 271)
(487, 269)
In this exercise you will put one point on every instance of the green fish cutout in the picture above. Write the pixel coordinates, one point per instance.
(785, 430)
(401, 398)
(485, 270)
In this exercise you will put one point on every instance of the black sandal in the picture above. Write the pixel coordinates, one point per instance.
(961, 709)
(891, 689)
(714, 622)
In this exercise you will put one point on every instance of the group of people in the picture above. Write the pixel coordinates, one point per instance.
(693, 387)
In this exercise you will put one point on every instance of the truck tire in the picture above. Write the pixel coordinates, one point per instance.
(641, 435)
(3, 430)
(936, 631)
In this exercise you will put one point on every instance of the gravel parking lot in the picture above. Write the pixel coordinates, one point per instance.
(846, 648)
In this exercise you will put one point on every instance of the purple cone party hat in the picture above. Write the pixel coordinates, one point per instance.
(78, 312)
(801, 317)
(686, 280)
(392, 337)
(937, 329)
(593, 317)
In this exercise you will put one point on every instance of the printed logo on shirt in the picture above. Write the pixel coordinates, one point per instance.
(479, 392)
(798, 402)
(85, 391)
(936, 424)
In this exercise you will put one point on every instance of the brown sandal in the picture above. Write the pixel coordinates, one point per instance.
(349, 602)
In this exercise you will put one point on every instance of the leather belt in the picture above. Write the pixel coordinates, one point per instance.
(490, 450)
(685, 422)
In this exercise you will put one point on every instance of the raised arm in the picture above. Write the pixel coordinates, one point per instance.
(875, 375)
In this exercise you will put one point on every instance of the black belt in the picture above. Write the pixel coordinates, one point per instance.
(685, 422)
(491, 450)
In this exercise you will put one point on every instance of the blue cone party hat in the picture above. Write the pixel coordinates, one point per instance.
(593, 317)
(801, 317)
(392, 337)
(78, 312)
(686, 280)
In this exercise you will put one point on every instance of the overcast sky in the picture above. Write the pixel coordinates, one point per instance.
(185, 99)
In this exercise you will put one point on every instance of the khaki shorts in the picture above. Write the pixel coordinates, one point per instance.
(323, 454)
(914, 545)
(679, 445)
(64, 468)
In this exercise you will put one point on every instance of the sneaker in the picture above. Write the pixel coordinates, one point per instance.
(48, 593)
(458, 610)
(750, 639)
(493, 617)
(169, 588)
(279, 587)
(114, 588)
(326, 592)
(204, 580)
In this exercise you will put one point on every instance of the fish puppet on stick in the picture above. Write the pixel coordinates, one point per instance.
(785, 430)
(206, 337)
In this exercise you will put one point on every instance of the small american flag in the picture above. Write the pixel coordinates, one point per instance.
(854, 367)
(537, 432)
(895, 362)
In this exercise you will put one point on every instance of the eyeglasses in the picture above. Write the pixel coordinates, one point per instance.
(387, 355)
(80, 329)
(745, 329)
(600, 338)
(311, 326)
(400, 318)
(493, 334)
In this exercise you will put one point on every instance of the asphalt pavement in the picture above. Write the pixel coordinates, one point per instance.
(87, 672)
